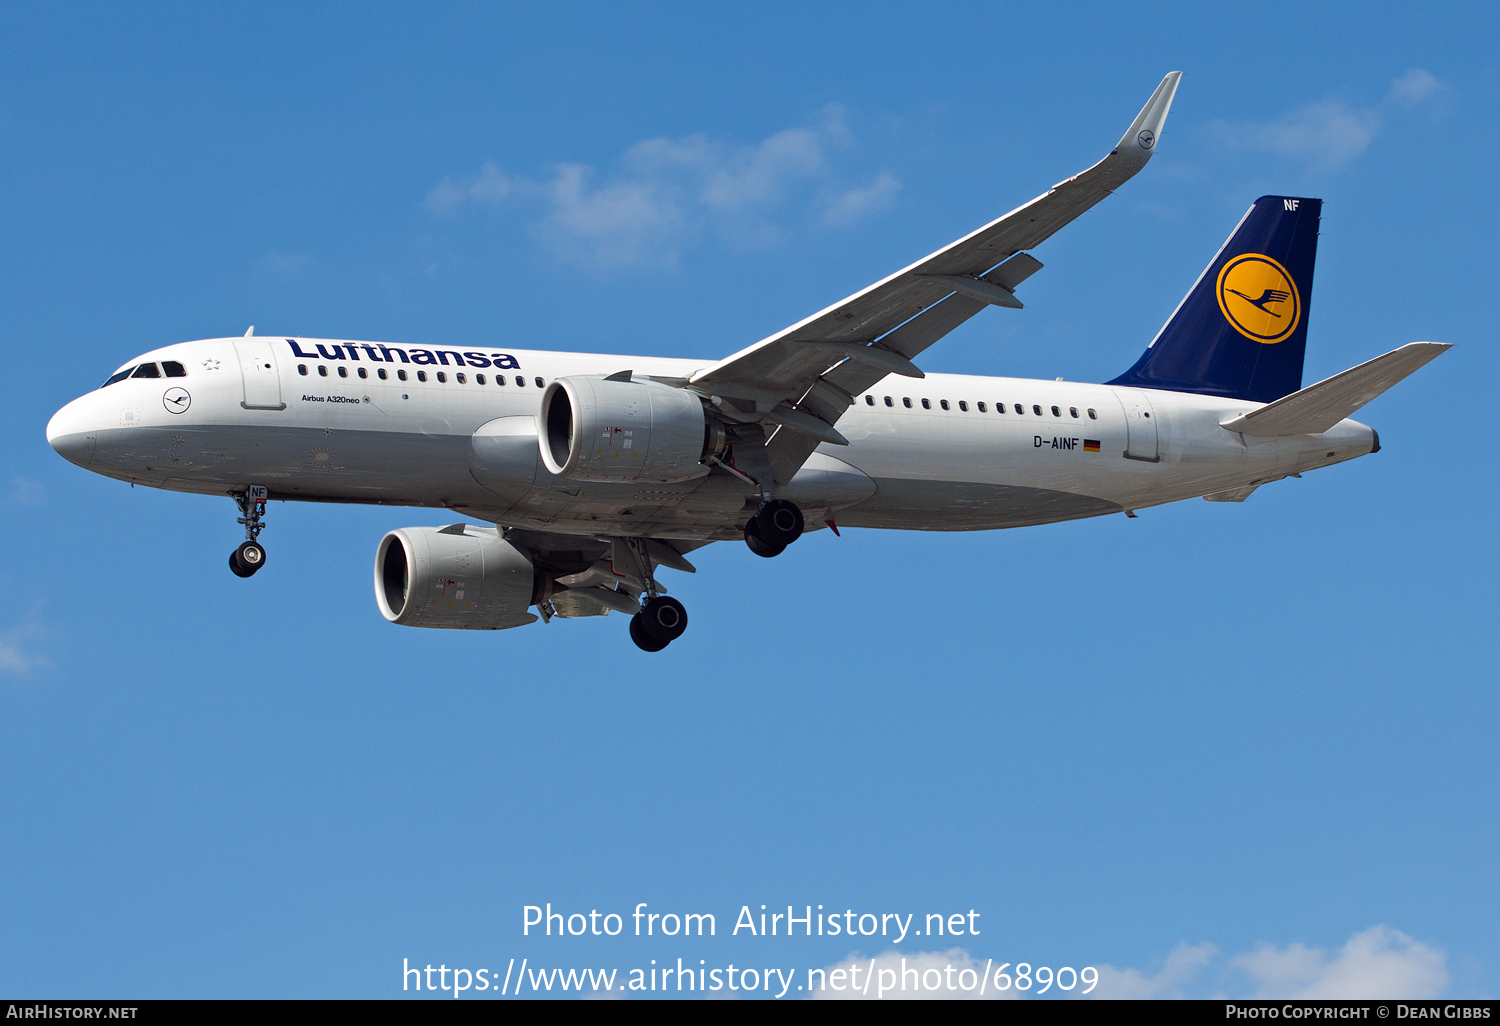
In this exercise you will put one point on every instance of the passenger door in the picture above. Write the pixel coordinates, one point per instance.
(258, 369)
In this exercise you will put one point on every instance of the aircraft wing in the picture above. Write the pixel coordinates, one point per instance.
(796, 384)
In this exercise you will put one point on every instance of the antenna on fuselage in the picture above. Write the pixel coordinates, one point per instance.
(249, 331)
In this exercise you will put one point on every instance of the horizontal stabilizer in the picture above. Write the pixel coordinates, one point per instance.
(1319, 407)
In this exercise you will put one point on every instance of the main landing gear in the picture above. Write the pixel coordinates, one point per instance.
(660, 622)
(775, 525)
(661, 619)
(250, 556)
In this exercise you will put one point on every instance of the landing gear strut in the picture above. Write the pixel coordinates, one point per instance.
(662, 619)
(775, 525)
(250, 555)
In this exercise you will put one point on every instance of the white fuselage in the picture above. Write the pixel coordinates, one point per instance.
(924, 454)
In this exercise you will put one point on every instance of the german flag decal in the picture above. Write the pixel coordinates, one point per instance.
(1091, 445)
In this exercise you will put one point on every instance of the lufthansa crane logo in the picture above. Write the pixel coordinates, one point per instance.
(176, 400)
(1259, 298)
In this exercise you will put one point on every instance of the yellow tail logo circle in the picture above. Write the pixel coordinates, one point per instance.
(1258, 297)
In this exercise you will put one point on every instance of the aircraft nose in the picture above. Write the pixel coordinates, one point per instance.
(72, 435)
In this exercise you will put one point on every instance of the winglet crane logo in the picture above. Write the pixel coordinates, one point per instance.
(1259, 298)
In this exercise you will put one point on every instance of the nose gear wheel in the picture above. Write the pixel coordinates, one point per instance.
(247, 559)
(250, 555)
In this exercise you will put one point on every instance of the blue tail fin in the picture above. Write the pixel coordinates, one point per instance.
(1242, 329)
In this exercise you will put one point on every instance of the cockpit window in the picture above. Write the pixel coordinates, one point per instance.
(173, 369)
(146, 370)
(118, 376)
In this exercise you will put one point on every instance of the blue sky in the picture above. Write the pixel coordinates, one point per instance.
(1220, 748)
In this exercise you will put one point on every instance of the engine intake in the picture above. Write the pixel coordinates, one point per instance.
(462, 577)
(615, 429)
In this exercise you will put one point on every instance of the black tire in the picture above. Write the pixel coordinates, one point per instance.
(663, 618)
(759, 545)
(779, 522)
(643, 641)
(250, 557)
(234, 565)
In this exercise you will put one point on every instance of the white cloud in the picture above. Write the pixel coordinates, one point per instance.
(1182, 967)
(953, 975)
(1376, 963)
(760, 174)
(1327, 134)
(665, 192)
(16, 653)
(856, 204)
(625, 223)
(451, 195)
(1414, 87)
(24, 491)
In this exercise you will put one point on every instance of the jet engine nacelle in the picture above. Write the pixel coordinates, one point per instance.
(616, 429)
(462, 577)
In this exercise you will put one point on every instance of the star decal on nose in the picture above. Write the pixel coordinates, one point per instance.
(210, 364)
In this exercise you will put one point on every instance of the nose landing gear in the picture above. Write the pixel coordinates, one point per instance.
(775, 525)
(250, 556)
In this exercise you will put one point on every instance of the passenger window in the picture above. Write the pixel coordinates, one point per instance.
(146, 370)
(459, 378)
(869, 400)
(906, 403)
(1073, 412)
(302, 369)
(981, 407)
(943, 403)
(173, 369)
(926, 405)
(381, 374)
(343, 371)
(363, 373)
(322, 371)
(499, 379)
(118, 376)
(401, 374)
(1056, 412)
(963, 406)
(539, 383)
(1022, 409)
(520, 381)
(441, 377)
(421, 375)
(1093, 415)
(479, 379)
(888, 401)
(1036, 409)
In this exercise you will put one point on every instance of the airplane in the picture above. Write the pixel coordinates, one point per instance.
(588, 473)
